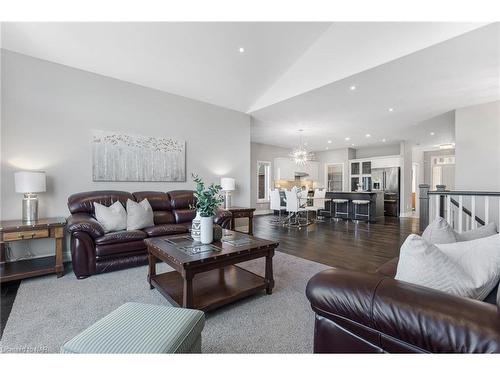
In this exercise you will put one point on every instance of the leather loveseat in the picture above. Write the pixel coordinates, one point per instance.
(93, 251)
(374, 313)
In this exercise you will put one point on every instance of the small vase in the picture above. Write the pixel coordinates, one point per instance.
(207, 230)
(195, 227)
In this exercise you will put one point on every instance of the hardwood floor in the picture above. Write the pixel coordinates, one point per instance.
(343, 244)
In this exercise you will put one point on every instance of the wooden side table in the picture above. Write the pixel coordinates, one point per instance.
(17, 230)
(239, 212)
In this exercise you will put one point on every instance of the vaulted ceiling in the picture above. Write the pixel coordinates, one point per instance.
(290, 74)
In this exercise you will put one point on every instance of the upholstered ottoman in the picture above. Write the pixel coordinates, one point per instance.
(142, 328)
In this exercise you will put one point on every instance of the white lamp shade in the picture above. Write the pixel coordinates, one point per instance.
(29, 182)
(227, 183)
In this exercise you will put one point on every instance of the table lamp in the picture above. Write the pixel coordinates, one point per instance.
(29, 183)
(228, 185)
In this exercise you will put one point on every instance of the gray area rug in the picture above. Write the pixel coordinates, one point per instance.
(49, 311)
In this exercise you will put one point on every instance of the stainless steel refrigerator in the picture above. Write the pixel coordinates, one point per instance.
(388, 181)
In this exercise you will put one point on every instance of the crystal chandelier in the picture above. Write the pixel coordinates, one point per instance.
(299, 154)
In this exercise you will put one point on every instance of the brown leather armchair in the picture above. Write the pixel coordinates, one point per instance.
(93, 251)
(373, 313)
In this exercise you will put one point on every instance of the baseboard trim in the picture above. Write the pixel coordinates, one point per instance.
(263, 212)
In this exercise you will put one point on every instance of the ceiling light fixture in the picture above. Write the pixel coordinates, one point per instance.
(347, 138)
(329, 141)
(299, 154)
(391, 109)
(383, 139)
(447, 146)
(352, 88)
(241, 49)
(368, 135)
(432, 133)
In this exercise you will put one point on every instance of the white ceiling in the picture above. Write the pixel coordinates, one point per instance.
(459, 72)
(292, 74)
(196, 60)
(201, 60)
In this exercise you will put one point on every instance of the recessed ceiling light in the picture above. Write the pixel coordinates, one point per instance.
(383, 139)
(327, 148)
(368, 135)
(241, 49)
(347, 138)
(432, 133)
(329, 141)
(352, 144)
(391, 109)
(352, 88)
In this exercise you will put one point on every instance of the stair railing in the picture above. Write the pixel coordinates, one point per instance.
(461, 209)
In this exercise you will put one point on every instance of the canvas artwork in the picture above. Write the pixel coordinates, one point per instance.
(121, 157)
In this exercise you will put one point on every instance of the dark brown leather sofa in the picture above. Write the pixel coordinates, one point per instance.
(373, 313)
(93, 251)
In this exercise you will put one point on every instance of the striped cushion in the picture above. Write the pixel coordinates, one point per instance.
(141, 328)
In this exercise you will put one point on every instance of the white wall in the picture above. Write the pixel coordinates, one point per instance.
(261, 152)
(338, 156)
(49, 111)
(384, 150)
(478, 147)
(477, 154)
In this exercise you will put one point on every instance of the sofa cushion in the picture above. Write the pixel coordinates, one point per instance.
(123, 249)
(163, 217)
(180, 199)
(165, 230)
(84, 202)
(184, 215)
(120, 237)
(141, 328)
(158, 200)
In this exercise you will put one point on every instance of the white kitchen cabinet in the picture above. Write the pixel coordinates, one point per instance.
(285, 169)
(312, 169)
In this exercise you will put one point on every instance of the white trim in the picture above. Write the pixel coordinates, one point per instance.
(262, 212)
(267, 182)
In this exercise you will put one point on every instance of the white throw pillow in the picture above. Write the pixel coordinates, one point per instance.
(139, 215)
(467, 269)
(481, 232)
(439, 231)
(112, 218)
(480, 259)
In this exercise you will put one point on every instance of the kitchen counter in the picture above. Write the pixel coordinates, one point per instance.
(376, 198)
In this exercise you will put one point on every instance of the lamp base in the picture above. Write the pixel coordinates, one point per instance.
(30, 208)
(227, 200)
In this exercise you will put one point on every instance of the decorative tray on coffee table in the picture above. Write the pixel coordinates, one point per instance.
(191, 247)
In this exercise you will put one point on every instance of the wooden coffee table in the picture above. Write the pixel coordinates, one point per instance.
(218, 280)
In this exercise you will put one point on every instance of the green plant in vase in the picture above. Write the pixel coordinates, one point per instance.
(207, 203)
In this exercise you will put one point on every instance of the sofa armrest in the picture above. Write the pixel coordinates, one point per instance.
(431, 320)
(223, 218)
(82, 222)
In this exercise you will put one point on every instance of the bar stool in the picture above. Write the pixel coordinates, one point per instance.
(336, 202)
(357, 203)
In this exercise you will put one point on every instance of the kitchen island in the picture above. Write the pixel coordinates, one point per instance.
(376, 199)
